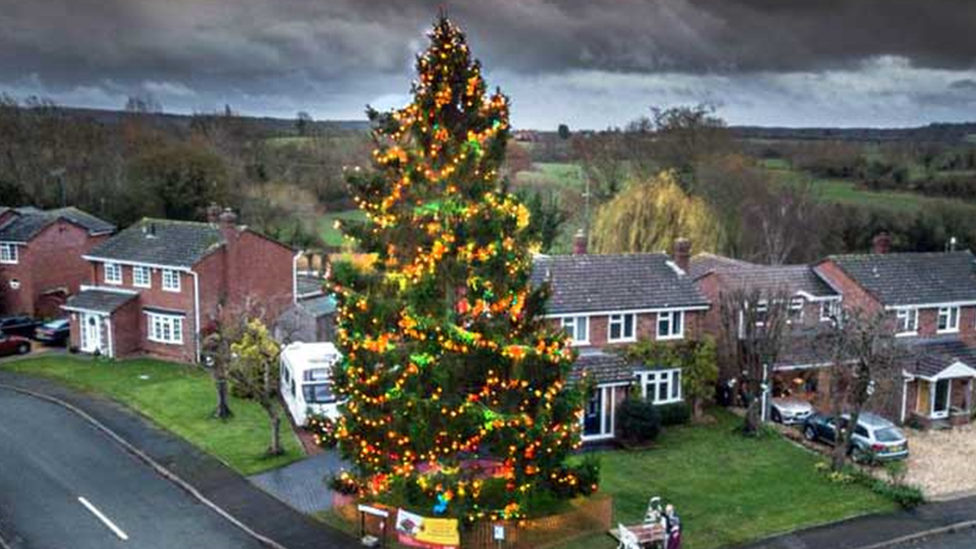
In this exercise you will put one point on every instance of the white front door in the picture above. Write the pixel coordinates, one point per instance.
(91, 333)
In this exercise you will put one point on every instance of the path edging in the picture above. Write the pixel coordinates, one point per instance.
(158, 467)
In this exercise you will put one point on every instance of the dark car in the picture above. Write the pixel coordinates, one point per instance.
(14, 345)
(55, 332)
(21, 325)
(875, 438)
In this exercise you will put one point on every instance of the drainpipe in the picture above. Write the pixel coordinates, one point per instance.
(294, 277)
(196, 313)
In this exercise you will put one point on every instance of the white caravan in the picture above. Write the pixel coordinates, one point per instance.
(306, 380)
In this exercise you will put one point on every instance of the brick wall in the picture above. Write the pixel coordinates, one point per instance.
(261, 270)
(51, 260)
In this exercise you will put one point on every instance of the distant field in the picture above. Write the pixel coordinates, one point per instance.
(844, 191)
(332, 236)
(548, 173)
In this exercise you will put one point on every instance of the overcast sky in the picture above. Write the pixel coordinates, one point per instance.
(589, 63)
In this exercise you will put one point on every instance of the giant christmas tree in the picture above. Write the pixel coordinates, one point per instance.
(455, 384)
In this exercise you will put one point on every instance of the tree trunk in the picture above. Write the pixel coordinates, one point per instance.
(697, 409)
(275, 448)
(223, 409)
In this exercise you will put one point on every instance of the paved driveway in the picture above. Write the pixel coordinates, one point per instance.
(302, 485)
(64, 484)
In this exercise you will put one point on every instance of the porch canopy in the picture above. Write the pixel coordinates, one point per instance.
(92, 300)
(939, 381)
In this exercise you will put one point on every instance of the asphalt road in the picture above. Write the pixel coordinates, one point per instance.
(65, 485)
(965, 539)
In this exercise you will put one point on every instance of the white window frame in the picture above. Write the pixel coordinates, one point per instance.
(9, 255)
(670, 316)
(572, 325)
(829, 309)
(135, 276)
(170, 276)
(907, 322)
(620, 321)
(651, 382)
(164, 328)
(114, 268)
(952, 315)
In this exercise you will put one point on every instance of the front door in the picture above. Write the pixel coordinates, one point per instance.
(940, 404)
(91, 333)
(599, 414)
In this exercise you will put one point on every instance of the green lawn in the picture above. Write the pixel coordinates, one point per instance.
(177, 397)
(728, 489)
(562, 174)
(332, 236)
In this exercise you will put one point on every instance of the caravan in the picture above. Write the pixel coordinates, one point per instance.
(306, 384)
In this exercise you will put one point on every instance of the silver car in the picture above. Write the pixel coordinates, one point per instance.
(790, 411)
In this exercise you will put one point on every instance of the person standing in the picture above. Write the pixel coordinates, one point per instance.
(672, 528)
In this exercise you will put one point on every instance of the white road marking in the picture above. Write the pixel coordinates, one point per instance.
(111, 525)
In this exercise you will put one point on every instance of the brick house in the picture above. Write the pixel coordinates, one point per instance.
(41, 257)
(605, 302)
(799, 370)
(156, 286)
(930, 299)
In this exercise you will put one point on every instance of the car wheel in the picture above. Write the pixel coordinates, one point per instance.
(23, 349)
(776, 416)
(810, 434)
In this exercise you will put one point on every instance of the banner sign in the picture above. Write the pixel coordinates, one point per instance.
(428, 533)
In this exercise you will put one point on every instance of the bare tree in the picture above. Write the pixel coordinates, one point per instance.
(864, 372)
(753, 327)
(224, 329)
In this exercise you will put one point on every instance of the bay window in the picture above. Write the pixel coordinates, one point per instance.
(164, 328)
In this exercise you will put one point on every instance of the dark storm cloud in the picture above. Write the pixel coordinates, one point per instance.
(335, 55)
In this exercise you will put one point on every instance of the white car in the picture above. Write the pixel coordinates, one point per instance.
(790, 411)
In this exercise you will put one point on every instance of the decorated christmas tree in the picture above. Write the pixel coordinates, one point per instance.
(456, 386)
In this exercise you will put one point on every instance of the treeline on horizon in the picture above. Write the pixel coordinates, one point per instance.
(762, 186)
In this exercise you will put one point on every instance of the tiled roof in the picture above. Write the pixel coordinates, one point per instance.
(309, 285)
(704, 263)
(930, 357)
(779, 278)
(161, 242)
(602, 367)
(101, 301)
(319, 306)
(913, 278)
(591, 283)
(30, 222)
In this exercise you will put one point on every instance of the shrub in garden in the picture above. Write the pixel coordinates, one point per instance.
(639, 420)
(677, 413)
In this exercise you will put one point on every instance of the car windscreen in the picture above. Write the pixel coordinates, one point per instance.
(56, 324)
(888, 434)
(317, 393)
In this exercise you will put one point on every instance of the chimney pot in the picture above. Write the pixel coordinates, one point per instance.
(213, 213)
(228, 218)
(881, 243)
(579, 243)
(682, 254)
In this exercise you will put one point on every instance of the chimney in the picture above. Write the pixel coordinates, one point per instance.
(579, 243)
(213, 213)
(682, 254)
(881, 243)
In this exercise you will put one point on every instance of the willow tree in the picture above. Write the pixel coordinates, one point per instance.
(649, 216)
(455, 385)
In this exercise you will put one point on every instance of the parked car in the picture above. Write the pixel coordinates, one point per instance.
(14, 345)
(55, 332)
(790, 411)
(21, 325)
(874, 439)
